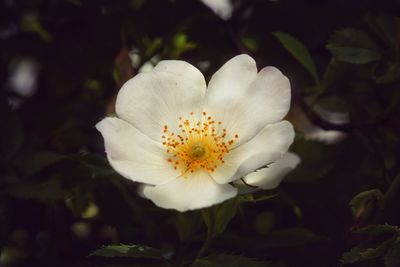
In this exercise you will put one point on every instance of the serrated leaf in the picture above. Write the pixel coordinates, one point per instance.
(375, 230)
(353, 46)
(353, 55)
(392, 258)
(387, 27)
(365, 251)
(128, 251)
(357, 254)
(225, 260)
(299, 52)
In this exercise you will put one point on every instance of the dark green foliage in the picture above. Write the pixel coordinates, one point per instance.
(128, 251)
(353, 46)
(60, 201)
(298, 50)
(222, 260)
(373, 249)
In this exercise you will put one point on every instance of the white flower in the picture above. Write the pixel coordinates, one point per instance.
(269, 177)
(188, 144)
(223, 8)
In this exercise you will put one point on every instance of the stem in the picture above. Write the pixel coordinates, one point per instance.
(205, 245)
(249, 185)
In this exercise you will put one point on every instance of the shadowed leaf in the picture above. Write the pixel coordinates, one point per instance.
(353, 46)
(299, 52)
(128, 251)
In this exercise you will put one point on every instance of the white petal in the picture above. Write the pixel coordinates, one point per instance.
(246, 101)
(269, 145)
(153, 99)
(197, 191)
(271, 177)
(313, 132)
(328, 137)
(134, 155)
(223, 8)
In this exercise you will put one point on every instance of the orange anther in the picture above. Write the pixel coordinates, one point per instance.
(199, 145)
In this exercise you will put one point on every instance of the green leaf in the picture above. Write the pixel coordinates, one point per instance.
(299, 52)
(357, 254)
(43, 159)
(152, 45)
(387, 27)
(359, 202)
(31, 23)
(187, 224)
(370, 249)
(376, 230)
(217, 217)
(98, 165)
(225, 260)
(180, 45)
(251, 43)
(390, 73)
(392, 258)
(353, 46)
(128, 251)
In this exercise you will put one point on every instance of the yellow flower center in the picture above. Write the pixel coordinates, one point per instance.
(198, 144)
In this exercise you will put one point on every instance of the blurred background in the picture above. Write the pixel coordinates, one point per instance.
(62, 63)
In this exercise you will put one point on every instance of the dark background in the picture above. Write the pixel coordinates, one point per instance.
(60, 200)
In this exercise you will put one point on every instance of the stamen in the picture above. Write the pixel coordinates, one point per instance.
(197, 144)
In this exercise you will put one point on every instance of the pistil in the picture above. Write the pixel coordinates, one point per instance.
(198, 144)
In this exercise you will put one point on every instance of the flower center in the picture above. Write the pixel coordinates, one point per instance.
(198, 150)
(197, 144)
